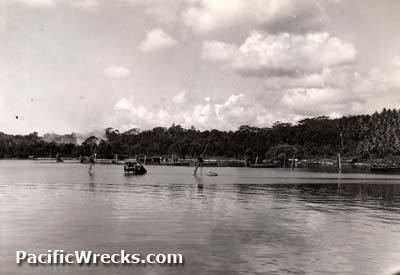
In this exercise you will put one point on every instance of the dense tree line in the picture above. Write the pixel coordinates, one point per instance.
(361, 136)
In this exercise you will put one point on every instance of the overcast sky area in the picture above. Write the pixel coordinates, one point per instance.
(80, 65)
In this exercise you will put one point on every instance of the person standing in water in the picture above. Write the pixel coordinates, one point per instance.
(92, 159)
(198, 164)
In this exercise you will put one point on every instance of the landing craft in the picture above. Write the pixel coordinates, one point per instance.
(135, 167)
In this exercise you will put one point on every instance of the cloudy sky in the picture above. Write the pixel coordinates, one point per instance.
(80, 65)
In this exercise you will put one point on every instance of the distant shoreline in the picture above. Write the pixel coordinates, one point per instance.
(314, 163)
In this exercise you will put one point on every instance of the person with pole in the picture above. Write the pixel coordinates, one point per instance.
(92, 159)
(200, 160)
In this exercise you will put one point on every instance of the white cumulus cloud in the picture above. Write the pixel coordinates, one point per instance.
(283, 54)
(157, 39)
(204, 113)
(123, 104)
(210, 15)
(341, 91)
(318, 101)
(117, 72)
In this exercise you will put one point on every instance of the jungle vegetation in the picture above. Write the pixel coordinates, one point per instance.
(360, 136)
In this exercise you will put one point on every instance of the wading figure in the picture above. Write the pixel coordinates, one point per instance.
(200, 159)
(199, 163)
(92, 159)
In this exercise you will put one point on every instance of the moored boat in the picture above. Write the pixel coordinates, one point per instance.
(135, 167)
(381, 168)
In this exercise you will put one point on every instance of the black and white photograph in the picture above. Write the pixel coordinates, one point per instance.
(226, 137)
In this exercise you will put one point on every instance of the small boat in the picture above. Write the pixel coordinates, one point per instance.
(135, 167)
(212, 174)
(381, 168)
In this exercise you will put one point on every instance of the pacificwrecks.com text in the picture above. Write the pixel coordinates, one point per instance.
(60, 257)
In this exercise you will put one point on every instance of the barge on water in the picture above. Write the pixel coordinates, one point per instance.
(135, 167)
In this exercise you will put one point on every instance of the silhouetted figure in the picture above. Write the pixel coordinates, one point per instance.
(199, 163)
(92, 160)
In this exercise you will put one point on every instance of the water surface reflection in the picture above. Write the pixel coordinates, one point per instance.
(244, 221)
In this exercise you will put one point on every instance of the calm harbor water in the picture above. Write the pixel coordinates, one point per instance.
(245, 221)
